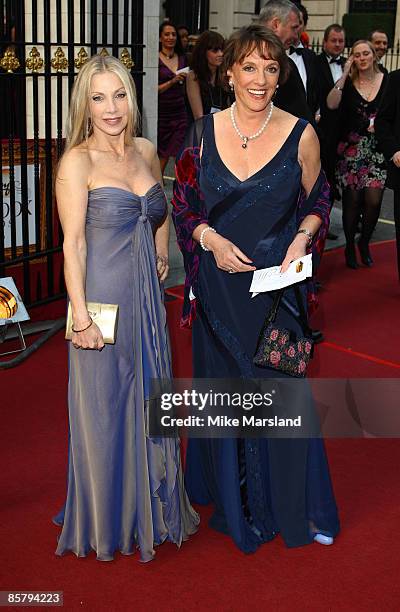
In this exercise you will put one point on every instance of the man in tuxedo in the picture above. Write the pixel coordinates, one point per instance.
(387, 131)
(283, 18)
(306, 64)
(330, 63)
(379, 41)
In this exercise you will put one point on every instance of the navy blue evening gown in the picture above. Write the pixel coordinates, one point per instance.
(259, 487)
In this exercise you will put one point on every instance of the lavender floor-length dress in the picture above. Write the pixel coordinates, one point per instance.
(125, 490)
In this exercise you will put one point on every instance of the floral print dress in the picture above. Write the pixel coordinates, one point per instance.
(360, 163)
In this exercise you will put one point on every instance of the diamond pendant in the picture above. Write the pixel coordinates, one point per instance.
(244, 145)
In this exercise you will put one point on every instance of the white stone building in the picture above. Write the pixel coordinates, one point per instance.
(227, 15)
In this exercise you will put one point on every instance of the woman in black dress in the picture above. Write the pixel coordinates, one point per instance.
(361, 168)
(205, 90)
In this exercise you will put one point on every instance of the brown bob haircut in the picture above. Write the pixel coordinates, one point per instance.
(198, 62)
(258, 38)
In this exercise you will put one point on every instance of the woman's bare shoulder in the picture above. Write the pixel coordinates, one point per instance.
(75, 162)
(76, 155)
(309, 136)
(222, 118)
(284, 119)
(146, 148)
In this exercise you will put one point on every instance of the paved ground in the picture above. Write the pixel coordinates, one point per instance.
(385, 230)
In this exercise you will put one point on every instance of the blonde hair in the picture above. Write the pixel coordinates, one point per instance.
(79, 126)
(354, 70)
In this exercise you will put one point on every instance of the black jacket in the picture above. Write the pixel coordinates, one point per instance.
(325, 83)
(387, 126)
(291, 96)
(313, 88)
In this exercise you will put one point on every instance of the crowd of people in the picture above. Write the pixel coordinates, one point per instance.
(245, 119)
(351, 158)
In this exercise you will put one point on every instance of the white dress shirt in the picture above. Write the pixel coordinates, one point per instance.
(298, 60)
(336, 69)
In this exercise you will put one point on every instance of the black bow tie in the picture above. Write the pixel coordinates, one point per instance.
(298, 50)
(336, 60)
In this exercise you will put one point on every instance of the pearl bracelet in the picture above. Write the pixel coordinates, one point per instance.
(307, 232)
(201, 241)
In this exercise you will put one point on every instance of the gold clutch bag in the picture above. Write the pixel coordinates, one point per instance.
(104, 315)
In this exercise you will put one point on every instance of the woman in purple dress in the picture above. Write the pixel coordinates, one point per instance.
(172, 119)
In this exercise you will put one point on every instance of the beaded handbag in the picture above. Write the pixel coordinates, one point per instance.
(279, 348)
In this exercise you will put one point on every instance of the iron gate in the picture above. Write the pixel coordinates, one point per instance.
(43, 44)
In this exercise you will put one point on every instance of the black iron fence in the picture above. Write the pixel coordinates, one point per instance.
(43, 44)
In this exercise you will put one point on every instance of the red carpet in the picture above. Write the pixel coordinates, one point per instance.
(360, 572)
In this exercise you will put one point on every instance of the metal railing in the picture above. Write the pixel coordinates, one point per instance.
(42, 46)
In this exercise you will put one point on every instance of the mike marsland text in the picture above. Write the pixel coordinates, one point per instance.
(223, 421)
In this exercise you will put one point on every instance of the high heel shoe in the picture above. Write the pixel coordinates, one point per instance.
(350, 256)
(365, 254)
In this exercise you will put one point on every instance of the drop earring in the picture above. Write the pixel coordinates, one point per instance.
(230, 83)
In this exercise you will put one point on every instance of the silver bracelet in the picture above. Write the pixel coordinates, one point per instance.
(307, 233)
(206, 229)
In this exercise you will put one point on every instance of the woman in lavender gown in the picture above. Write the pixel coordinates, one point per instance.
(172, 117)
(125, 490)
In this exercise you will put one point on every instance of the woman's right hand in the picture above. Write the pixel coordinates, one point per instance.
(91, 338)
(179, 78)
(348, 65)
(228, 256)
(396, 159)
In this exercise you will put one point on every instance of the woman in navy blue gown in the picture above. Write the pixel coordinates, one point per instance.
(250, 194)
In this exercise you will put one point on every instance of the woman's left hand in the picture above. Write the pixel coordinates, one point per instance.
(162, 266)
(298, 248)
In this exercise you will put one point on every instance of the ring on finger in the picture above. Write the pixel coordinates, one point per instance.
(230, 271)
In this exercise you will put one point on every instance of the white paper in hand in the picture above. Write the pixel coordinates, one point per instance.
(271, 279)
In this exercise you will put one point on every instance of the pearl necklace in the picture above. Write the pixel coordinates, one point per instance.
(257, 134)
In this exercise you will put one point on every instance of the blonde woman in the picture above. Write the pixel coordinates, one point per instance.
(361, 168)
(124, 489)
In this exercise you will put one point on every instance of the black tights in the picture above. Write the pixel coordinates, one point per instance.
(367, 203)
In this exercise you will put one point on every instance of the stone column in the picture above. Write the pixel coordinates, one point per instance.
(150, 67)
(397, 25)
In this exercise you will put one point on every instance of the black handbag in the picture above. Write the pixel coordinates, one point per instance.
(279, 348)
